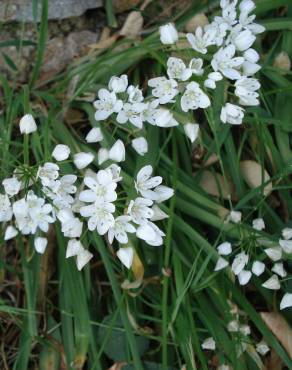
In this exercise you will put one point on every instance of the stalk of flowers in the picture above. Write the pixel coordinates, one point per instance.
(37, 196)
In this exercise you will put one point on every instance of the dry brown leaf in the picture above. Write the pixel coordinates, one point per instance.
(280, 328)
(117, 366)
(133, 25)
(197, 20)
(104, 44)
(214, 184)
(254, 175)
(273, 362)
(122, 5)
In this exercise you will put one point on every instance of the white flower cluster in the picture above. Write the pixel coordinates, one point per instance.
(35, 198)
(275, 252)
(231, 35)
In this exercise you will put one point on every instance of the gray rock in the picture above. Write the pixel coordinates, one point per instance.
(21, 10)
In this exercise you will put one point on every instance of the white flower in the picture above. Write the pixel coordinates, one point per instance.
(194, 98)
(262, 348)
(5, 208)
(275, 253)
(40, 244)
(243, 40)
(74, 247)
(144, 182)
(209, 343)
(168, 34)
(258, 268)
(225, 62)
(164, 118)
(234, 216)
(99, 216)
(61, 152)
(244, 277)
(163, 193)
(286, 245)
(258, 224)
(32, 213)
(106, 105)
(27, 124)
(132, 113)
(245, 329)
(233, 326)
(117, 152)
(118, 84)
(82, 159)
(71, 226)
(278, 269)
(126, 255)
(140, 145)
(140, 211)
(115, 171)
(246, 6)
(239, 262)
(48, 173)
(246, 91)
(94, 135)
(224, 249)
(11, 186)
(201, 40)
(102, 155)
(287, 233)
(163, 89)
(177, 69)
(272, 283)
(196, 65)
(221, 264)
(213, 77)
(83, 257)
(60, 192)
(10, 233)
(150, 233)
(192, 131)
(150, 111)
(135, 95)
(101, 188)
(286, 301)
(158, 214)
(232, 114)
(120, 229)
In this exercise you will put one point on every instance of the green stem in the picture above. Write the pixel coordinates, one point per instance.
(166, 262)
(118, 298)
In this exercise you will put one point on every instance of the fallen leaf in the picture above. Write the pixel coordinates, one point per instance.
(280, 328)
(198, 20)
(117, 366)
(273, 362)
(121, 6)
(214, 184)
(133, 25)
(255, 175)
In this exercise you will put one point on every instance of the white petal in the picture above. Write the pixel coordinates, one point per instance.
(61, 152)
(126, 256)
(258, 268)
(83, 258)
(286, 301)
(27, 124)
(102, 155)
(287, 233)
(192, 131)
(94, 135)
(262, 348)
(40, 244)
(158, 214)
(140, 145)
(275, 253)
(286, 245)
(82, 160)
(117, 152)
(224, 249)
(272, 283)
(209, 343)
(278, 269)
(10, 232)
(244, 277)
(221, 264)
(74, 247)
